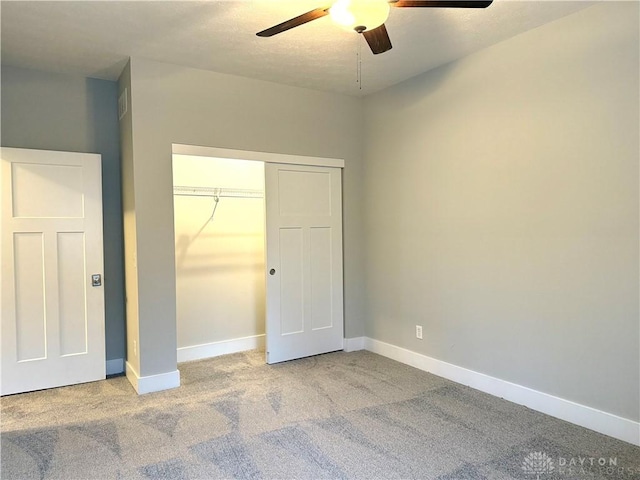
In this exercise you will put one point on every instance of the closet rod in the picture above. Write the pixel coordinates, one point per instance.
(217, 192)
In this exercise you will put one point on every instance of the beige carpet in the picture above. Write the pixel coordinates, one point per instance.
(341, 415)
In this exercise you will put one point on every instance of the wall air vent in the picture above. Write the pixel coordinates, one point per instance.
(122, 104)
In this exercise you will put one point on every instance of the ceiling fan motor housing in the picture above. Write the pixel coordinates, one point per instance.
(360, 15)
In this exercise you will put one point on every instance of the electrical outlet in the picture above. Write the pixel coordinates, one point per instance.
(419, 331)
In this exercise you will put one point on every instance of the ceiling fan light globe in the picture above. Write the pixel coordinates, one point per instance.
(360, 13)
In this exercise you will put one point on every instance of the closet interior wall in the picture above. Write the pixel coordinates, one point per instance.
(220, 261)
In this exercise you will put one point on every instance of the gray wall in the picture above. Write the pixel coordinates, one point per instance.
(129, 218)
(58, 112)
(172, 104)
(502, 213)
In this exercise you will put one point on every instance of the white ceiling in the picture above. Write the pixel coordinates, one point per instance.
(95, 38)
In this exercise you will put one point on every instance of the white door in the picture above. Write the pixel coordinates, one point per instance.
(304, 261)
(52, 316)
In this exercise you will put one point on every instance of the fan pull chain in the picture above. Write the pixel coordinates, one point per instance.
(359, 63)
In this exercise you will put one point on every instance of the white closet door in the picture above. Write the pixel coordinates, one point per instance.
(304, 261)
(52, 316)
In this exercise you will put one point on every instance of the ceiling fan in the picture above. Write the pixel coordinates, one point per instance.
(368, 16)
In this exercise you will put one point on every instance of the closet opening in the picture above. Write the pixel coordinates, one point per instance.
(258, 251)
(219, 225)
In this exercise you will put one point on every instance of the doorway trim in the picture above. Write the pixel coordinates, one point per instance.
(199, 151)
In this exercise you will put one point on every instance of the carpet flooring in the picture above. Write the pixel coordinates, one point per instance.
(342, 415)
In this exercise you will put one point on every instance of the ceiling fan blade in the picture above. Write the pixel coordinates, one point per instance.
(294, 22)
(441, 3)
(378, 39)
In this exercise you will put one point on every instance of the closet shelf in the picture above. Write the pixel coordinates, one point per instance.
(217, 192)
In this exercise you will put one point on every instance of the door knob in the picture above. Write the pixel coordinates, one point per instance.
(272, 271)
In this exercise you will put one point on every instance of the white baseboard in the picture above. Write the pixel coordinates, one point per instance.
(215, 349)
(115, 366)
(152, 383)
(354, 344)
(603, 422)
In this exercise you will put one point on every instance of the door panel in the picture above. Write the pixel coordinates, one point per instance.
(58, 187)
(321, 278)
(292, 280)
(304, 193)
(71, 293)
(304, 252)
(29, 287)
(52, 318)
